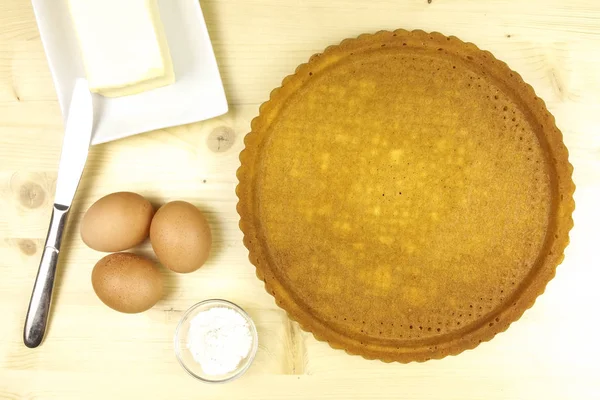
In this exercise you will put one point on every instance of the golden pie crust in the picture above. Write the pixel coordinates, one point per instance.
(405, 195)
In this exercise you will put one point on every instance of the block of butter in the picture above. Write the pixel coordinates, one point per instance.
(123, 45)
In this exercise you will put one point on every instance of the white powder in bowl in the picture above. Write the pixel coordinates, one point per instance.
(219, 339)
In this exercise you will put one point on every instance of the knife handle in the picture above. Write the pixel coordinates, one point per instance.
(39, 305)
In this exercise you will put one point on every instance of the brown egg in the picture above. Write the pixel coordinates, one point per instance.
(127, 282)
(117, 222)
(180, 236)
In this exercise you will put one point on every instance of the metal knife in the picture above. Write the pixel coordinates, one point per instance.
(76, 143)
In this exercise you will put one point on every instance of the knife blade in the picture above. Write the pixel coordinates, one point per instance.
(76, 143)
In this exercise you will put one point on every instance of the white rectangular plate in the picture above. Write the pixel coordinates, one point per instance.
(196, 95)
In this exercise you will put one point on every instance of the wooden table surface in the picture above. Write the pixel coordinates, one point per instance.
(91, 351)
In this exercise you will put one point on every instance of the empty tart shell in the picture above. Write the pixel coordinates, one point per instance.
(405, 196)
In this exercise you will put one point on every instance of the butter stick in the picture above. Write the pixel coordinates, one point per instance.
(123, 45)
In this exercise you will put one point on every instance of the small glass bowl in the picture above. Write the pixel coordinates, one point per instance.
(184, 355)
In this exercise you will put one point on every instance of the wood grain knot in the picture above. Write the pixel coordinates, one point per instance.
(31, 195)
(221, 139)
(27, 247)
